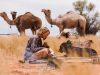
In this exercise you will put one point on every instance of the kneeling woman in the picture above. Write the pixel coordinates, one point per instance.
(35, 50)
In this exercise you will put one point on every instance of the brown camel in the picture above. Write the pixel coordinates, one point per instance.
(22, 22)
(68, 20)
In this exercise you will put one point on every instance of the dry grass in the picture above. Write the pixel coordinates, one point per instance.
(13, 44)
(16, 44)
(12, 49)
(79, 69)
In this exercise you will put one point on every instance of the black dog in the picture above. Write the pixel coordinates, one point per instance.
(67, 48)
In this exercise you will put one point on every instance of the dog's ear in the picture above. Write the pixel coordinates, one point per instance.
(69, 43)
(60, 49)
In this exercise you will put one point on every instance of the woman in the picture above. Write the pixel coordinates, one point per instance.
(35, 50)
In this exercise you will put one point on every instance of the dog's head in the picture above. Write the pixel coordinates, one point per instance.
(64, 46)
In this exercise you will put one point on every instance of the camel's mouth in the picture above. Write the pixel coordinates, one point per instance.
(2, 14)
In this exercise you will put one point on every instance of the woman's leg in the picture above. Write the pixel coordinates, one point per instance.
(42, 53)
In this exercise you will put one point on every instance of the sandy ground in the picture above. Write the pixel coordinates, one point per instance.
(11, 50)
(13, 67)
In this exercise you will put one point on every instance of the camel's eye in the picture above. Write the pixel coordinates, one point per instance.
(49, 11)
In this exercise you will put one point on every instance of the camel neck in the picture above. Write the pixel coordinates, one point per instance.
(50, 20)
(5, 17)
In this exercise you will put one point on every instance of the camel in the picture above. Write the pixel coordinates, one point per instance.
(22, 22)
(68, 20)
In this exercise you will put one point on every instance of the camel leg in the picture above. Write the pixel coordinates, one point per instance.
(81, 27)
(80, 31)
(61, 28)
(22, 32)
(33, 31)
(83, 31)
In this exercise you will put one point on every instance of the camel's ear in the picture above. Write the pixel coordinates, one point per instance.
(13, 12)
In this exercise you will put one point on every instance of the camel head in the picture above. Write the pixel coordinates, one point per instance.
(13, 13)
(5, 17)
(3, 14)
(47, 12)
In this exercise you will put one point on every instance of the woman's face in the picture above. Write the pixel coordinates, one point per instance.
(45, 35)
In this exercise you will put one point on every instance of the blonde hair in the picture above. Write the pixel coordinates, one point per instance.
(43, 30)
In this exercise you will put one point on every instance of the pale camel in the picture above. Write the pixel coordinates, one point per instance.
(68, 20)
